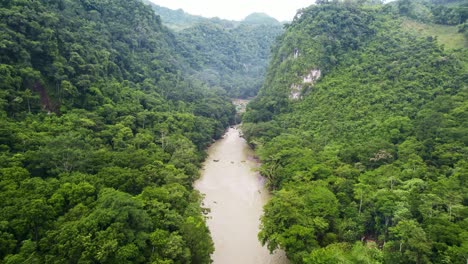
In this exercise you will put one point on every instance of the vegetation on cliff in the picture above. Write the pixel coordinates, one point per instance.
(368, 161)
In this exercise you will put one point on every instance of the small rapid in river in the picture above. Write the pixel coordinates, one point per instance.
(235, 194)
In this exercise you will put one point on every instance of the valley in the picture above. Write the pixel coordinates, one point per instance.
(133, 133)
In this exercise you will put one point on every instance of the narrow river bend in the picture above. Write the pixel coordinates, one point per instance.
(235, 193)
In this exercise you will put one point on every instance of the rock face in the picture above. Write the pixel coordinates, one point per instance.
(313, 76)
(311, 79)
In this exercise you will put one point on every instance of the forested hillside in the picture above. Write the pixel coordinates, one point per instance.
(101, 136)
(445, 12)
(175, 19)
(444, 19)
(228, 55)
(361, 127)
(234, 59)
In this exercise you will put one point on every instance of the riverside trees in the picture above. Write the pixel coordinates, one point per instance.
(380, 132)
(101, 136)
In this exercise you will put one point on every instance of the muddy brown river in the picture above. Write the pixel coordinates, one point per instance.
(235, 193)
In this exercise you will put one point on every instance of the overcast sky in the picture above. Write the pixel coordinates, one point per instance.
(237, 9)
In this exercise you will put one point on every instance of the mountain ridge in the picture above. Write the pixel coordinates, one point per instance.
(179, 19)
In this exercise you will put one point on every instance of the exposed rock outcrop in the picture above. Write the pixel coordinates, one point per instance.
(310, 79)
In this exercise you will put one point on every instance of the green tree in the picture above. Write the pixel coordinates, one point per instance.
(410, 243)
(298, 219)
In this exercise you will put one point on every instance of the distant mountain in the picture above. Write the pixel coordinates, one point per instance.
(179, 19)
(226, 54)
(234, 59)
(261, 18)
(175, 19)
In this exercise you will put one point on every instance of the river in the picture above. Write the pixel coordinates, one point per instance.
(235, 194)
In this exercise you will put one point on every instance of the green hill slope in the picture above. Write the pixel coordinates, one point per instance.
(234, 59)
(175, 19)
(228, 55)
(449, 36)
(361, 128)
(260, 18)
(101, 136)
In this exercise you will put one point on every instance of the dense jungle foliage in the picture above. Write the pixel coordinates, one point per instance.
(368, 164)
(101, 136)
(225, 54)
(234, 59)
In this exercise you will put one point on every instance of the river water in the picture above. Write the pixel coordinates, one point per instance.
(235, 194)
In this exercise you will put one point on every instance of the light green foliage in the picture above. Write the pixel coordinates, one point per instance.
(297, 219)
(449, 36)
(412, 241)
(345, 254)
(381, 133)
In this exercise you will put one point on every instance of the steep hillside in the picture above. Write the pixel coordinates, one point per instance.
(446, 12)
(449, 36)
(361, 129)
(175, 19)
(260, 19)
(234, 59)
(101, 136)
(228, 55)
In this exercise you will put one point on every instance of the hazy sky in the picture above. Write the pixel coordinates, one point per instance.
(237, 9)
